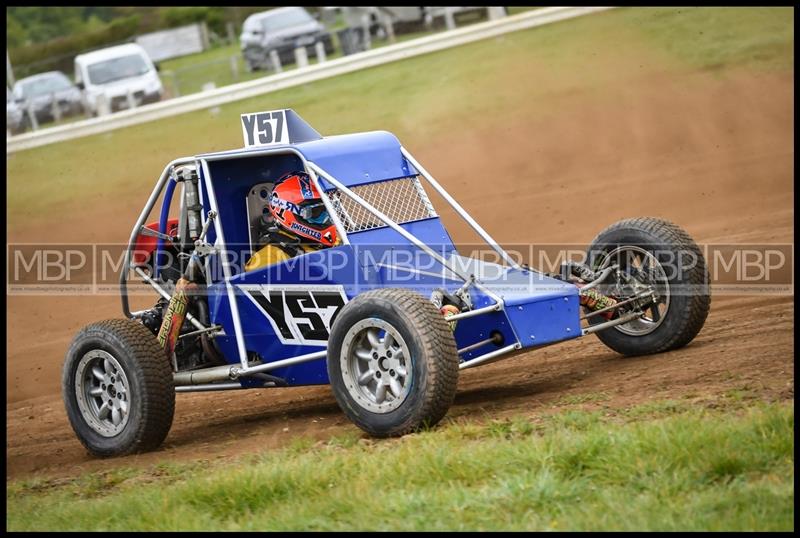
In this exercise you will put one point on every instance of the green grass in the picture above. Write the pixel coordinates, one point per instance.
(659, 466)
(420, 99)
(713, 38)
(188, 74)
(573, 399)
(693, 469)
(185, 75)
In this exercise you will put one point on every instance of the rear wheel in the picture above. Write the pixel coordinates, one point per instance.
(392, 362)
(117, 388)
(653, 254)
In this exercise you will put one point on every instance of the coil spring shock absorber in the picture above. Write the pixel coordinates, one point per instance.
(175, 314)
(594, 300)
(187, 285)
(447, 309)
(590, 298)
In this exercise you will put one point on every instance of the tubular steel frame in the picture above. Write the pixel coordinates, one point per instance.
(204, 379)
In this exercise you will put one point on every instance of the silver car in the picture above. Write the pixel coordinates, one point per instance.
(46, 91)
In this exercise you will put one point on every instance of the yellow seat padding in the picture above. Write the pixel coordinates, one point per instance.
(269, 255)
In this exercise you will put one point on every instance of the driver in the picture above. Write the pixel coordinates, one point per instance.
(300, 222)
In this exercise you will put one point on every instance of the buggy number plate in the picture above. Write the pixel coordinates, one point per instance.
(301, 315)
(265, 128)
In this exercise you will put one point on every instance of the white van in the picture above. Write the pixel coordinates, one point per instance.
(108, 76)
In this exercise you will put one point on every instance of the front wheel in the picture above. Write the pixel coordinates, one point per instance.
(392, 362)
(117, 388)
(652, 254)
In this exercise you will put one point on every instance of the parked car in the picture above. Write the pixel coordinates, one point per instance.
(283, 30)
(108, 76)
(16, 121)
(45, 91)
(406, 19)
(435, 16)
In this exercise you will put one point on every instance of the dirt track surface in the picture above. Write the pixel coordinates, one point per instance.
(711, 153)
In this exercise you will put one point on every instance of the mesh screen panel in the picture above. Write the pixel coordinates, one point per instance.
(402, 200)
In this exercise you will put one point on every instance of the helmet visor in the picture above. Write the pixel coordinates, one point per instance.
(315, 213)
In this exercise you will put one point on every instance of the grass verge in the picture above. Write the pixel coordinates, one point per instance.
(420, 99)
(188, 74)
(658, 467)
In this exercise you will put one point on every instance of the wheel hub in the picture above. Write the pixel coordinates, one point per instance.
(376, 365)
(642, 270)
(101, 389)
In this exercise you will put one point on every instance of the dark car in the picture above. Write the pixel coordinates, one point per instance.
(45, 91)
(282, 30)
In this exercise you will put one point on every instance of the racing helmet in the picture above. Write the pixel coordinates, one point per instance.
(297, 207)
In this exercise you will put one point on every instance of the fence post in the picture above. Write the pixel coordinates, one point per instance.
(388, 26)
(31, 116)
(320, 48)
(449, 19)
(87, 110)
(235, 68)
(131, 100)
(204, 35)
(103, 105)
(231, 34)
(495, 12)
(176, 90)
(365, 23)
(276, 60)
(54, 108)
(9, 70)
(301, 57)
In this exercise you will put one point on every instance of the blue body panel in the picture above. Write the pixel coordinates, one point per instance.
(541, 310)
(310, 288)
(260, 336)
(354, 159)
(359, 158)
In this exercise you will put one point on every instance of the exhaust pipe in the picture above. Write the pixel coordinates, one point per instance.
(206, 375)
(230, 371)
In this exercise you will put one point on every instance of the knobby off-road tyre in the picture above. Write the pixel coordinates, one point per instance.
(117, 388)
(682, 310)
(392, 362)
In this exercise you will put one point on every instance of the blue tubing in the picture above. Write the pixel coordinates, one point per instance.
(162, 224)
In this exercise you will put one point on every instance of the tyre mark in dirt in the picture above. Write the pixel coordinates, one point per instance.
(742, 351)
(725, 176)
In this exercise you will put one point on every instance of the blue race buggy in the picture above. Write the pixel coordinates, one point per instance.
(388, 315)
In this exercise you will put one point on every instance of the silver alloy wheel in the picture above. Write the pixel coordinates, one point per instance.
(645, 263)
(376, 365)
(102, 391)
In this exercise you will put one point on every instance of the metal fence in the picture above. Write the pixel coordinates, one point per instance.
(206, 74)
(213, 83)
